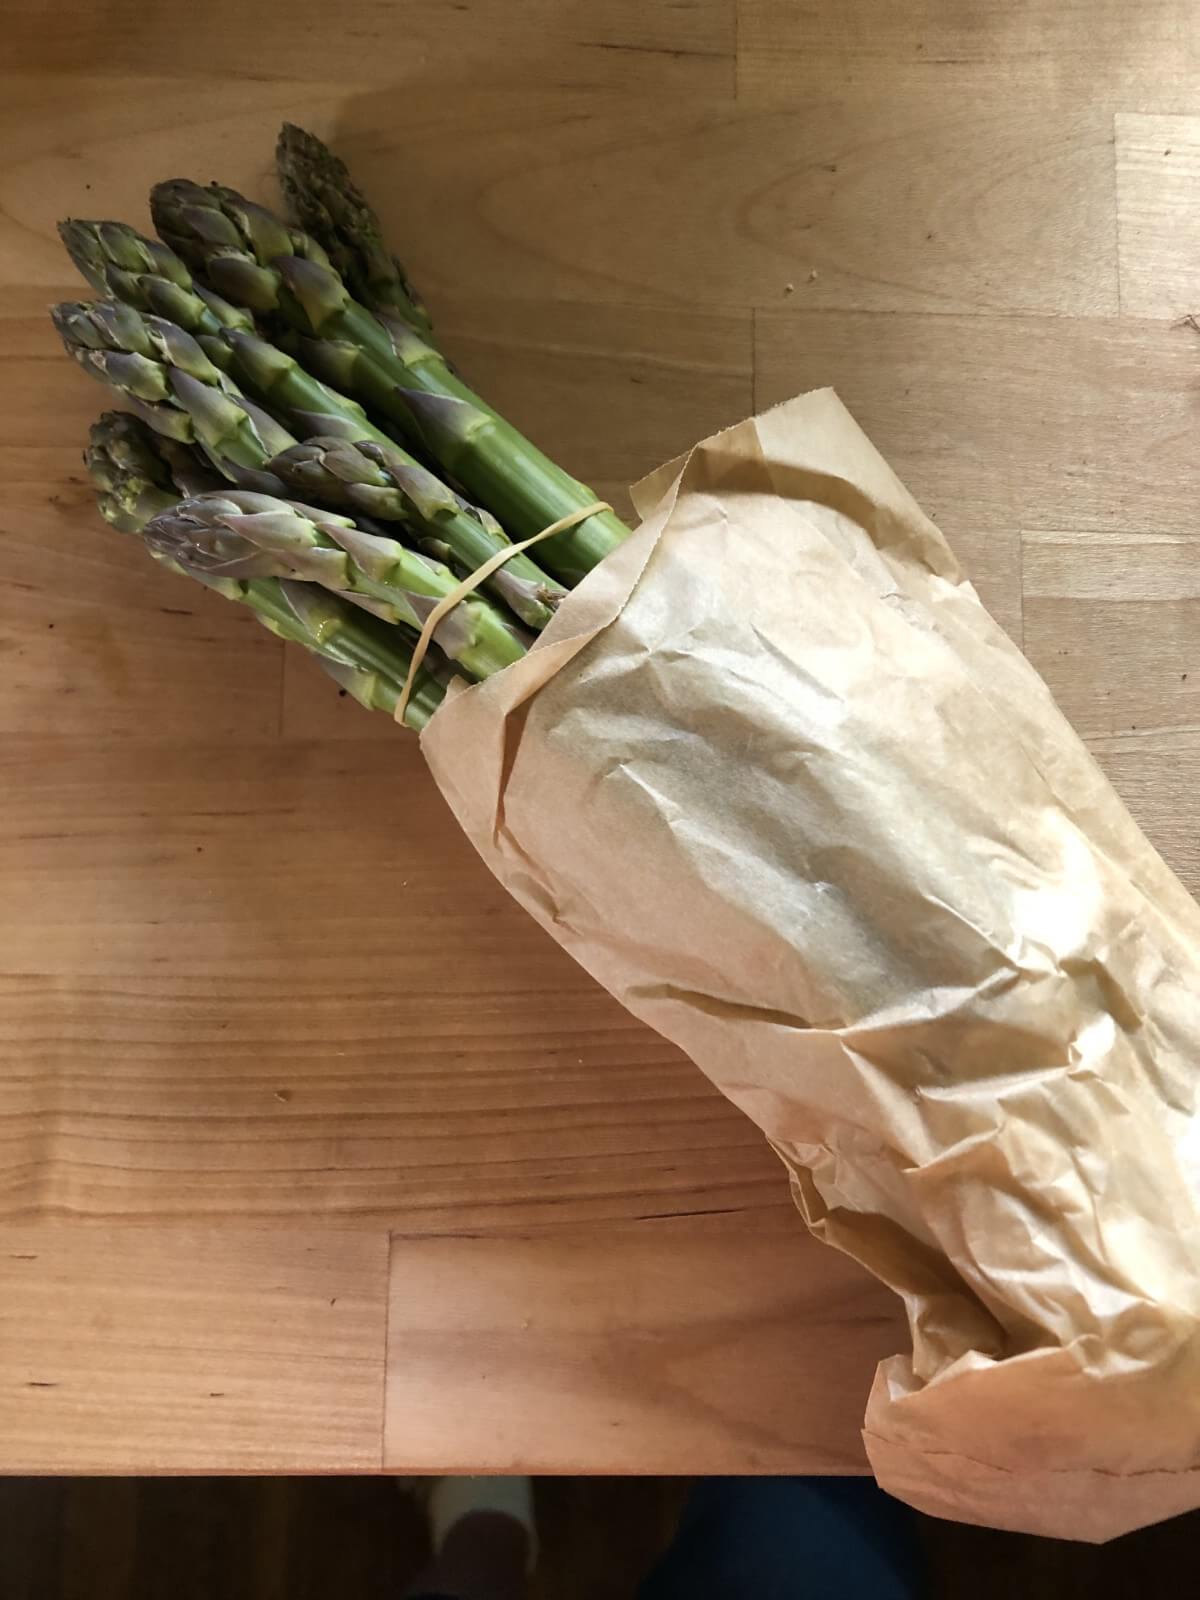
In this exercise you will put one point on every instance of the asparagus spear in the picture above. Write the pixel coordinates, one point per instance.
(437, 519)
(122, 447)
(442, 521)
(168, 380)
(367, 659)
(329, 205)
(240, 535)
(127, 461)
(252, 257)
(133, 483)
(286, 388)
(123, 264)
(107, 254)
(380, 481)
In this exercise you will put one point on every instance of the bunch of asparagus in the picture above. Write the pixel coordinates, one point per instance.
(296, 441)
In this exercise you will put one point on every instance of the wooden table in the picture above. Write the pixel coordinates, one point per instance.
(316, 1154)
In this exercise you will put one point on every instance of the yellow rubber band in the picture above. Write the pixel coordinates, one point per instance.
(469, 585)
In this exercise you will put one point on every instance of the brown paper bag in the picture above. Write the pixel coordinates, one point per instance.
(779, 782)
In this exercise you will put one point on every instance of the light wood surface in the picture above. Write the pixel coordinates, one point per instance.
(135, 1350)
(260, 1006)
(669, 1350)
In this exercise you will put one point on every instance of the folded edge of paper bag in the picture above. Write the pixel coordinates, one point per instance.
(1084, 1504)
(1064, 1428)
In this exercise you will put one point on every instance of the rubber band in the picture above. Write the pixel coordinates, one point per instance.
(469, 585)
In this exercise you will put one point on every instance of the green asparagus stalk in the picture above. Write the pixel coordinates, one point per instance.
(433, 515)
(287, 390)
(380, 481)
(329, 205)
(254, 259)
(439, 519)
(135, 470)
(246, 536)
(368, 659)
(273, 538)
(167, 379)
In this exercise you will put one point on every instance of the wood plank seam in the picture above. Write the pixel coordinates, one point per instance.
(1117, 208)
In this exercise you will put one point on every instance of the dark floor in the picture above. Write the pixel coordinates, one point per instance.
(362, 1539)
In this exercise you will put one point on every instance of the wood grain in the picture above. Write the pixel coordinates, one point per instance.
(1005, 424)
(281, 986)
(1137, 55)
(133, 1350)
(115, 647)
(895, 202)
(686, 45)
(1158, 203)
(671, 1350)
(884, 202)
(1112, 622)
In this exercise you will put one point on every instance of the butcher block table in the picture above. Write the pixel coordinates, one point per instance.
(316, 1153)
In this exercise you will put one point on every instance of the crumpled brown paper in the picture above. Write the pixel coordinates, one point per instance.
(779, 782)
